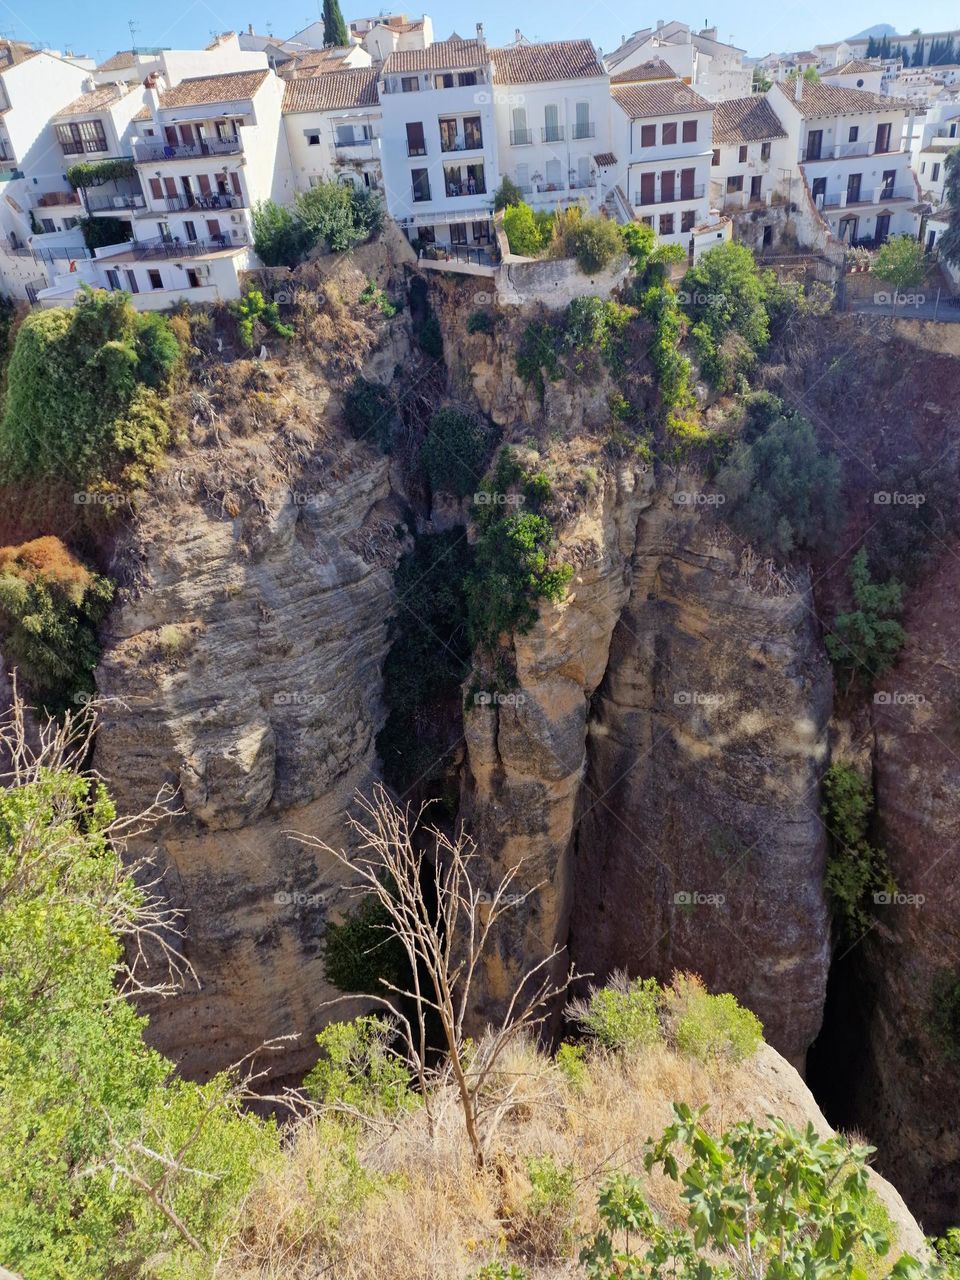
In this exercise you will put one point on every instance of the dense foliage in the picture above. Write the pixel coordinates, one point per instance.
(98, 232)
(900, 263)
(372, 413)
(85, 394)
(279, 237)
(724, 295)
(334, 28)
(856, 869)
(336, 213)
(50, 608)
(507, 194)
(94, 1123)
(949, 243)
(781, 492)
(865, 640)
(456, 451)
(96, 173)
(255, 316)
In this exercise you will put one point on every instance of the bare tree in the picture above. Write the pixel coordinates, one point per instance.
(445, 933)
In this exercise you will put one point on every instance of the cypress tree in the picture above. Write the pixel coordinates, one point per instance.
(334, 27)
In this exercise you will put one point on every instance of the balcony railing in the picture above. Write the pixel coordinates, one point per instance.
(151, 152)
(414, 150)
(472, 143)
(90, 147)
(184, 203)
(521, 137)
(678, 194)
(347, 144)
(176, 248)
(584, 129)
(104, 203)
(458, 189)
(56, 200)
(552, 133)
(876, 195)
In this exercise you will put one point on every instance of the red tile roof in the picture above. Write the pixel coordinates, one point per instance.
(232, 86)
(332, 91)
(819, 99)
(855, 67)
(750, 119)
(88, 103)
(537, 63)
(442, 55)
(659, 98)
(654, 69)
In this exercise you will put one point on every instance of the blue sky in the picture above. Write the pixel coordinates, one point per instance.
(100, 28)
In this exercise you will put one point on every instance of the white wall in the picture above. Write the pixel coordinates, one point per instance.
(665, 158)
(319, 160)
(773, 179)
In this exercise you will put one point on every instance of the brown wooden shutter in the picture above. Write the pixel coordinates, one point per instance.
(170, 185)
(155, 189)
(204, 184)
(235, 183)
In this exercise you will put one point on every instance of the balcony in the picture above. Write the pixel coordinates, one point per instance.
(56, 200)
(552, 133)
(186, 204)
(879, 195)
(678, 195)
(145, 250)
(584, 129)
(108, 204)
(468, 142)
(521, 137)
(152, 152)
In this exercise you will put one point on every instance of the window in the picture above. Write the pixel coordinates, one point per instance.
(716, 157)
(69, 224)
(113, 279)
(444, 80)
(923, 166)
(416, 143)
(552, 132)
(193, 279)
(458, 233)
(854, 133)
(466, 78)
(647, 221)
(742, 155)
(191, 231)
(666, 224)
(156, 280)
(48, 224)
(689, 130)
(688, 219)
(421, 184)
(935, 173)
(669, 133)
(409, 84)
(582, 127)
(764, 150)
(520, 135)
(86, 137)
(132, 281)
(554, 179)
(427, 235)
(648, 135)
(313, 139)
(735, 183)
(472, 133)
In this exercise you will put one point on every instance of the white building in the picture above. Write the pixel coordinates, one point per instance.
(318, 62)
(439, 141)
(552, 112)
(663, 139)
(857, 73)
(937, 136)
(715, 69)
(850, 149)
(332, 124)
(392, 34)
(752, 161)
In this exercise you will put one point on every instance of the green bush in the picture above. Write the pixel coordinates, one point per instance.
(624, 1015)
(724, 294)
(659, 305)
(372, 413)
(522, 232)
(639, 241)
(376, 296)
(901, 263)
(85, 392)
(279, 238)
(430, 336)
(98, 232)
(456, 450)
(711, 1028)
(481, 322)
(506, 195)
(254, 314)
(358, 1068)
(359, 950)
(595, 325)
(512, 571)
(596, 243)
(856, 869)
(781, 492)
(50, 608)
(865, 641)
(538, 357)
(340, 215)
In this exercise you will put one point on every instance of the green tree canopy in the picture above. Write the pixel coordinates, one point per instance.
(334, 27)
(901, 263)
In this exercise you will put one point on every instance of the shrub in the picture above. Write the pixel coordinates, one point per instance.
(673, 368)
(545, 1228)
(279, 238)
(521, 230)
(724, 294)
(84, 396)
(856, 869)
(710, 1028)
(372, 413)
(481, 322)
(98, 232)
(538, 357)
(639, 241)
(598, 326)
(901, 263)
(596, 243)
(781, 492)
(358, 1069)
(430, 336)
(456, 450)
(50, 608)
(506, 195)
(865, 641)
(571, 1062)
(358, 950)
(340, 215)
(376, 296)
(253, 312)
(623, 1015)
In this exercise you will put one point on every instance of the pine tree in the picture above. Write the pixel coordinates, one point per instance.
(872, 47)
(334, 27)
(918, 53)
(885, 47)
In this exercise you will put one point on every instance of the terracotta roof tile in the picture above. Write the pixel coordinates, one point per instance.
(819, 99)
(605, 159)
(746, 120)
(659, 98)
(654, 69)
(855, 67)
(232, 86)
(96, 100)
(442, 55)
(333, 91)
(537, 63)
(119, 62)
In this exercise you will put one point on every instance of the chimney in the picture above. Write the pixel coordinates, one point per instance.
(659, 24)
(517, 37)
(249, 28)
(480, 32)
(798, 88)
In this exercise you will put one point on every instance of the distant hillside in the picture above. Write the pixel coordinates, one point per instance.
(879, 29)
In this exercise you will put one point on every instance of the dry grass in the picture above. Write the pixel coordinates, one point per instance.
(416, 1208)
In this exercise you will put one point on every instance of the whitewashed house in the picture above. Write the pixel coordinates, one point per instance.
(662, 135)
(332, 124)
(552, 111)
(752, 162)
(393, 34)
(938, 134)
(318, 62)
(857, 73)
(438, 147)
(850, 148)
(715, 69)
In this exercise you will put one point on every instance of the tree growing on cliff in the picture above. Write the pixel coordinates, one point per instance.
(447, 910)
(900, 263)
(865, 640)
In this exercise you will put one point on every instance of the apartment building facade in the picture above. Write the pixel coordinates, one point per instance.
(333, 125)
(751, 164)
(714, 68)
(937, 135)
(851, 149)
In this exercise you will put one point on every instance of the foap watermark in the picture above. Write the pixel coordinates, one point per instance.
(886, 498)
(899, 899)
(698, 298)
(298, 698)
(696, 698)
(697, 498)
(308, 500)
(505, 899)
(92, 498)
(493, 698)
(898, 698)
(886, 298)
(498, 97)
(484, 498)
(498, 298)
(295, 898)
(694, 898)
